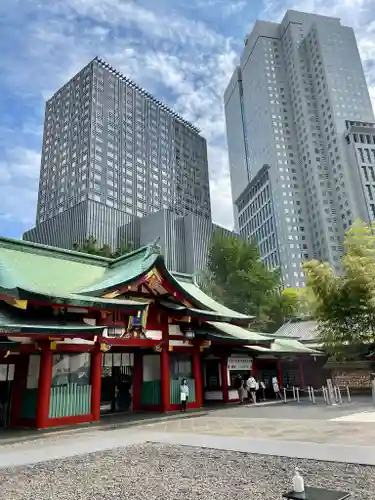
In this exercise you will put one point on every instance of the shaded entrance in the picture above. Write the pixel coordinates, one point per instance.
(117, 383)
(6, 386)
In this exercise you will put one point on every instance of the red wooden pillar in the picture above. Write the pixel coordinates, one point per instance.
(19, 385)
(137, 380)
(96, 382)
(224, 378)
(165, 384)
(254, 368)
(280, 373)
(197, 375)
(44, 388)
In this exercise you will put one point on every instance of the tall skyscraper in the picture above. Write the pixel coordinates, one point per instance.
(287, 106)
(112, 152)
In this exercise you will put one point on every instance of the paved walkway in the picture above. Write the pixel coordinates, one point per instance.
(314, 431)
(54, 448)
(335, 440)
(366, 416)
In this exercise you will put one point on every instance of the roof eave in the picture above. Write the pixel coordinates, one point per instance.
(80, 301)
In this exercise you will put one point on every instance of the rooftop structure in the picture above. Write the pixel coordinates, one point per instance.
(112, 152)
(287, 106)
(81, 335)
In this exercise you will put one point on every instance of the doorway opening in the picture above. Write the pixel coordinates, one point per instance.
(6, 385)
(117, 383)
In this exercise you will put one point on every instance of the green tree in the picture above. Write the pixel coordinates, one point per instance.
(123, 249)
(345, 300)
(236, 277)
(90, 246)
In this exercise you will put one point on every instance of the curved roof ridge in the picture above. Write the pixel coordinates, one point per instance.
(38, 248)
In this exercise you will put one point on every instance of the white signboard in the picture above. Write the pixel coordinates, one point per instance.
(240, 363)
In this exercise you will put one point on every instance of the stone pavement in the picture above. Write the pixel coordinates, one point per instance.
(314, 431)
(328, 440)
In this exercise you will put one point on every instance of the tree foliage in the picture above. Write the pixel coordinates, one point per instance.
(236, 277)
(90, 246)
(345, 301)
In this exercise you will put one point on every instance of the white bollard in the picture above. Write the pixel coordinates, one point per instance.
(348, 394)
(294, 393)
(284, 395)
(309, 390)
(312, 395)
(339, 395)
(324, 394)
(297, 394)
(335, 392)
(327, 395)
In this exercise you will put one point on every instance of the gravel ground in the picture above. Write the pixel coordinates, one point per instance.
(153, 471)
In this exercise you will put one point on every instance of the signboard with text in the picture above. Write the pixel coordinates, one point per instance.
(240, 363)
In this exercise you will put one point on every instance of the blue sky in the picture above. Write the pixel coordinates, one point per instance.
(182, 51)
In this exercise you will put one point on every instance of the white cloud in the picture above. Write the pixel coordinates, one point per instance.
(171, 52)
(184, 60)
(19, 175)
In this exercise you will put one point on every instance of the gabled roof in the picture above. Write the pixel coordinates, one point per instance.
(125, 270)
(46, 270)
(300, 329)
(239, 333)
(285, 347)
(190, 287)
(28, 269)
(131, 267)
(179, 310)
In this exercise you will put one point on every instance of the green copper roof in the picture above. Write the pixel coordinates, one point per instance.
(87, 301)
(124, 270)
(207, 302)
(29, 270)
(45, 270)
(285, 347)
(239, 333)
(53, 275)
(202, 314)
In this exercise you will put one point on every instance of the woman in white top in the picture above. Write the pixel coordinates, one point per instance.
(251, 386)
(184, 394)
(276, 387)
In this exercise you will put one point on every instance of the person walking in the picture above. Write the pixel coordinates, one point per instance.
(251, 386)
(276, 388)
(184, 394)
(262, 387)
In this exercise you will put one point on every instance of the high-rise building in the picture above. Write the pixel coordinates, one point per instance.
(287, 106)
(112, 152)
(184, 240)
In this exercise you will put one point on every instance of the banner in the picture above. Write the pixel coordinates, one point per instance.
(240, 363)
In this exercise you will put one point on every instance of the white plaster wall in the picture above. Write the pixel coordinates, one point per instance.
(151, 367)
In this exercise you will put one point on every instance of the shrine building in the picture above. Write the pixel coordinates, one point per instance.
(82, 336)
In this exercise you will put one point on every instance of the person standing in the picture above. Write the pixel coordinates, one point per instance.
(262, 386)
(184, 394)
(276, 388)
(251, 386)
(239, 385)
